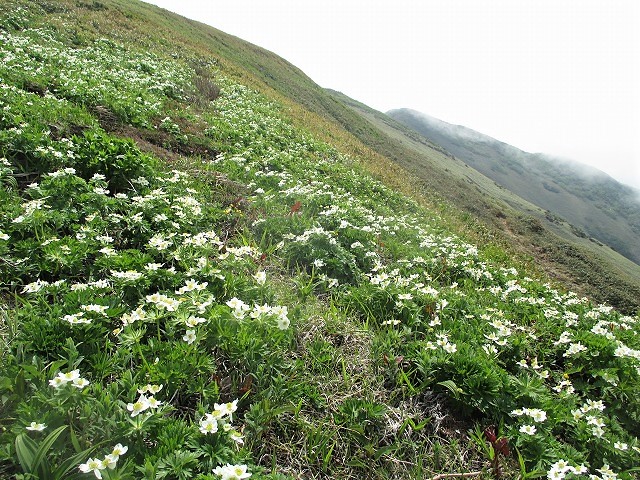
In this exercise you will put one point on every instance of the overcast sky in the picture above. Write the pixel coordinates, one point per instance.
(553, 76)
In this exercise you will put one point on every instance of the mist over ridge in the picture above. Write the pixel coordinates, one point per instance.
(585, 196)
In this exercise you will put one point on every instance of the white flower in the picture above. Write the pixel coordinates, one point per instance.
(237, 304)
(260, 277)
(450, 347)
(574, 348)
(118, 450)
(236, 437)
(138, 406)
(153, 389)
(70, 376)
(232, 472)
(190, 336)
(283, 322)
(528, 429)
(209, 424)
(620, 446)
(80, 382)
(537, 415)
(93, 465)
(36, 427)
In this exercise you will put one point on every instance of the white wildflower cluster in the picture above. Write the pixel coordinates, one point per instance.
(605, 473)
(536, 414)
(36, 286)
(625, 352)
(537, 368)
(127, 276)
(232, 472)
(221, 420)
(565, 386)
(163, 302)
(95, 466)
(72, 378)
(192, 285)
(136, 315)
(202, 239)
(561, 468)
(596, 421)
(574, 349)
(240, 309)
(442, 342)
(144, 402)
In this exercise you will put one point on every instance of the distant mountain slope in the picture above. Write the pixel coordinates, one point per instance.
(586, 197)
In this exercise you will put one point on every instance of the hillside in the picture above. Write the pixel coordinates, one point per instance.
(557, 247)
(585, 197)
(205, 279)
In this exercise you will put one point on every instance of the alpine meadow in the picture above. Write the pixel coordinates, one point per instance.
(212, 268)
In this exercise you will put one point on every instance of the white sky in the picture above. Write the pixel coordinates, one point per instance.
(554, 76)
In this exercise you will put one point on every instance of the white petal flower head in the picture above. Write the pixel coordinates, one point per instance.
(70, 376)
(139, 406)
(450, 348)
(190, 336)
(119, 449)
(36, 427)
(283, 322)
(80, 383)
(538, 415)
(236, 437)
(528, 429)
(260, 277)
(110, 461)
(232, 472)
(93, 465)
(57, 382)
(209, 424)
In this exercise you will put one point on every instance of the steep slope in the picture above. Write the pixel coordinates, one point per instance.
(197, 285)
(425, 175)
(587, 198)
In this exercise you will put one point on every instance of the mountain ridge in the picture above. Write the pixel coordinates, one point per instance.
(589, 199)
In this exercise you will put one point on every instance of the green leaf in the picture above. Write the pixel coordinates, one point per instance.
(62, 470)
(46, 445)
(452, 387)
(26, 451)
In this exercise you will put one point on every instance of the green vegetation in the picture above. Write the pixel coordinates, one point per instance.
(195, 287)
(553, 246)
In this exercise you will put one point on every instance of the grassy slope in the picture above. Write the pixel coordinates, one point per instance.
(425, 174)
(557, 247)
(379, 376)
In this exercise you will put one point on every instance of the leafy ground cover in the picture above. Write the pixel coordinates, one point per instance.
(263, 308)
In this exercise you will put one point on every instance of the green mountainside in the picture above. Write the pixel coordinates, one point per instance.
(214, 269)
(587, 198)
(556, 246)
